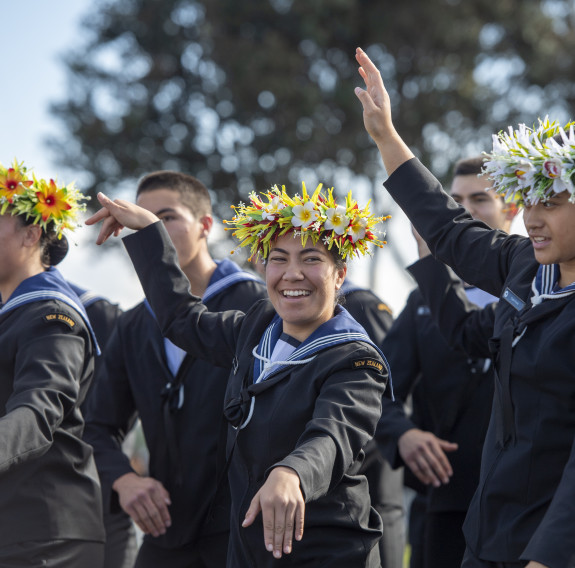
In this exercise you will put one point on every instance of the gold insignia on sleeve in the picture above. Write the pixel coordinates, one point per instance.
(383, 307)
(367, 363)
(61, 317)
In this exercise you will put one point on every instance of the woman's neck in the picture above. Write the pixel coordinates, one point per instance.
(8, 286)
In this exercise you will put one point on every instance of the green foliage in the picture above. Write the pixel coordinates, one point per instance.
(246, 94)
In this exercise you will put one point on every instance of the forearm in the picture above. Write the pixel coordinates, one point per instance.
(463, 324)
(450, 231)
(182, 317)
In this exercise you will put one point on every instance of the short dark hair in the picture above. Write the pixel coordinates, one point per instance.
(468, 166)
(193, 193)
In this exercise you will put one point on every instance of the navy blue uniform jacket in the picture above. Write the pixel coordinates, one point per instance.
(525, 503)
(49, 487)
(131, 385)
(314, 418)
(452, 391)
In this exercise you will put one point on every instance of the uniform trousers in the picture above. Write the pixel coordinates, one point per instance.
(121, 543)
(207, 552)
(53, 554)
(388, 502)
(444, 541)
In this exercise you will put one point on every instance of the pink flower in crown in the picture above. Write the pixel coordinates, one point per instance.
(525, 173)
(551, 168)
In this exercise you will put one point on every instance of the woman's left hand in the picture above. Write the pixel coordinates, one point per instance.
(281, 503)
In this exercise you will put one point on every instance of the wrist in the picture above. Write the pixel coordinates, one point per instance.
(120, 481)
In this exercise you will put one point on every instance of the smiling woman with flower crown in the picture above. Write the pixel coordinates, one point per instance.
(304, 393)
(50, 506)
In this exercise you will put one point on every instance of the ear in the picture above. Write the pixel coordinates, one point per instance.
(340, 277)
(31, 235)
(206, 222)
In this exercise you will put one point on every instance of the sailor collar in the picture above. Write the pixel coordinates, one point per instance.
(48, 285)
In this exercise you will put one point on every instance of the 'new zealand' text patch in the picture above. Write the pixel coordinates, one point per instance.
(61, 317)
(367, 363)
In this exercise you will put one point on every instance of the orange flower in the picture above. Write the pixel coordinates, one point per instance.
(51, 200)
(13, 182)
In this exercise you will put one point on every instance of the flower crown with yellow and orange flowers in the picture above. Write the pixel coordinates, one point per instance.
(347, 227)
(528, 165)
(47, 203)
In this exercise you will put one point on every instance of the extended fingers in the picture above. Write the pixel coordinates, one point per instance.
(368, 71)
(109, 227)
(98, 216)
(433, 464)
(279, 518)
(147, 504)
(278, 527)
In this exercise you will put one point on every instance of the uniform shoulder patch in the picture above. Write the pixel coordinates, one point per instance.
(367, 364)
(62, 318)
(383, 307)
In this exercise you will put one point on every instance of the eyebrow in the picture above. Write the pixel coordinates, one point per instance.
(304, 251)
(164, 210)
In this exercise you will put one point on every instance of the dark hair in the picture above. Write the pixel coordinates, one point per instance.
(53, 250)
(468, 166)
(338, 261)
(56, 249)
(193, 193)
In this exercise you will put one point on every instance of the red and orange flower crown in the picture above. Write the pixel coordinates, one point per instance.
(274, 213)
(46, 202)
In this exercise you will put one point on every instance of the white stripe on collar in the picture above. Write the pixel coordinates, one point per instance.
(545, 280)
(30, 297)
(39, 295)
(223, 283)
(87, 298)
(305, 351)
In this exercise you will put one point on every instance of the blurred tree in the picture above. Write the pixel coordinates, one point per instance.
(245, 94)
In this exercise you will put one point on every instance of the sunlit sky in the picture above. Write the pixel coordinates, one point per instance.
(35, 35)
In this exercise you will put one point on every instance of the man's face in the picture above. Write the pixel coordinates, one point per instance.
(475, 194)
(551, 228)
(187, 233)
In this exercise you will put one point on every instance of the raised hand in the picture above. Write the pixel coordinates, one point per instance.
(281, 503)
(117, 214)
(377, 115)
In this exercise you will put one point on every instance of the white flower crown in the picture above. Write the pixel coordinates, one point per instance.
(529, 165)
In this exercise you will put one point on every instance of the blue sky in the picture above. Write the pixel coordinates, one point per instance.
(36, 34)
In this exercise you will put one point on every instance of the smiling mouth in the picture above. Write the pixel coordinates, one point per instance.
(295, 293)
